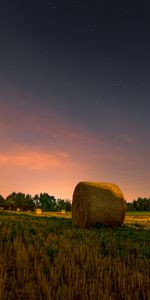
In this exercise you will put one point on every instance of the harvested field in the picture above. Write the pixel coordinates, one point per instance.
(46, 257)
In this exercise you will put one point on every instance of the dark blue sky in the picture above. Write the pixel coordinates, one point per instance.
(74, 84)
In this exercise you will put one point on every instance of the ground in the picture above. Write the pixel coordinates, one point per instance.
(46, 257)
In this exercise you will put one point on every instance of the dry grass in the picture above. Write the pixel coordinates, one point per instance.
(48, 258)
(138, 220)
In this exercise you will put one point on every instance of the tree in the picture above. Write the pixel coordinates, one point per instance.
(60, 205)
(36, 200)
(141, 204)
(2, 201)
(10, 200)
(30, 202)
(48, 203)
(20, 200)
(68, 205)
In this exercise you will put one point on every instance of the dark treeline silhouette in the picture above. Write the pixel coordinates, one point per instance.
(141, 204)
(49, 203)
(27, 202)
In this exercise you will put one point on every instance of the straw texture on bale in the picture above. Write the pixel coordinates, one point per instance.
(95, 202)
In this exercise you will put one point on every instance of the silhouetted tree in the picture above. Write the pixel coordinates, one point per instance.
(36, 200)
(2, 201)
(141, 204)
(68, 205)
(48, 203)
(20, 200)
(60, 205)
(29, 203)
(10, 201)
(63, 205)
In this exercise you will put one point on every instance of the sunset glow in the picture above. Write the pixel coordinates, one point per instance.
(53, 154)
(74, 101)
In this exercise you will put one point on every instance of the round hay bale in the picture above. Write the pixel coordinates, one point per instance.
(95, 202)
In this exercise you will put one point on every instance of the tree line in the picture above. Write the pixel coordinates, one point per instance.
(50, 203)
(141, 204)
(28, 202)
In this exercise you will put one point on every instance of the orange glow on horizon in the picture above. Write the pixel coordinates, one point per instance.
(51, 154)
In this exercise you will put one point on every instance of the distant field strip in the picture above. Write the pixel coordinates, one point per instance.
(138, 219)
(142, 218)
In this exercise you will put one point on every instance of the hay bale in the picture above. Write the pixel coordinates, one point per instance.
(98, 203)
(38, 211)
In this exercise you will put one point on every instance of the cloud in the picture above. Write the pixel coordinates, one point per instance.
(63, 154)
(33, 159)
(33, 171)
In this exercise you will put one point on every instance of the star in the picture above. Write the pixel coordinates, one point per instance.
(9, 67)
(22, 19)
(44, 41)
(122, 9)
(53, 6)
(75, 2)
(90, 25)
(68, 117)
(108, 60)
(117, 83)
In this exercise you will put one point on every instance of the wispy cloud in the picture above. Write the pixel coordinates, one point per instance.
(33, 159)
(48, 152)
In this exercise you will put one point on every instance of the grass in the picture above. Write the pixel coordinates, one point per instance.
(46, 257)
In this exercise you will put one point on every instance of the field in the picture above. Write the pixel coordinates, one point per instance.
(46, 257)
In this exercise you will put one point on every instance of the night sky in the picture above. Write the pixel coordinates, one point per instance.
(74, 96)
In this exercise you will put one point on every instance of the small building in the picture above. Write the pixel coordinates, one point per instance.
(18, 209)
(38, 211)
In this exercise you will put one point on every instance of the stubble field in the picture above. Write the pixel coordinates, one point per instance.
(46, 257)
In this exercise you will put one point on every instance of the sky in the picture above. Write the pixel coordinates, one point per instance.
(74, 96)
